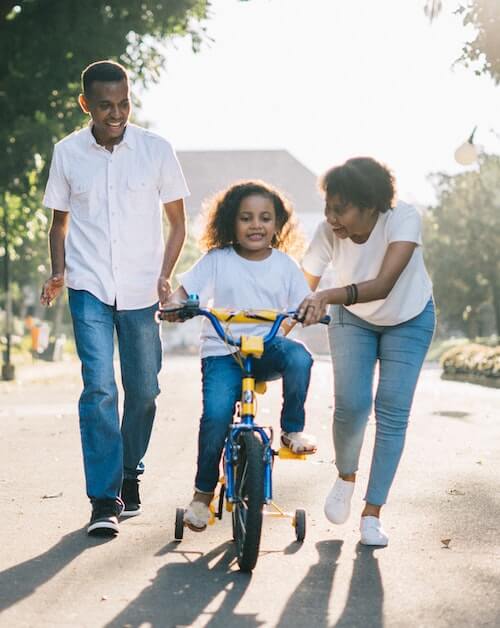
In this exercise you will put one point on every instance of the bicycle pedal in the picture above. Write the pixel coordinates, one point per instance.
(287, 454)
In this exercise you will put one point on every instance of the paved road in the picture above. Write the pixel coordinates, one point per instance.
(447, 488)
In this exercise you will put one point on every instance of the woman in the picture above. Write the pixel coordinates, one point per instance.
(382, 313)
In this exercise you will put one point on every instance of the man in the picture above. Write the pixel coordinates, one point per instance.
(106, 186)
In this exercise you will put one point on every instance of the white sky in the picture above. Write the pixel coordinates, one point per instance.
(328, 80)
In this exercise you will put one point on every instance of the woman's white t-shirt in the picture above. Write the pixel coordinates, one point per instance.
(354, 263)
(224, 279)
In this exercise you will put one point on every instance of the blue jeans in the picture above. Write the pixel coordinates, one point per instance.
(221, 385)
(356, 347)
(109, 454)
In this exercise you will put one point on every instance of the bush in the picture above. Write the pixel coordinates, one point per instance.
(472, 359)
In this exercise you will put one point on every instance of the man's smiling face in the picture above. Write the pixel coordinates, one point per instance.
(108, 103)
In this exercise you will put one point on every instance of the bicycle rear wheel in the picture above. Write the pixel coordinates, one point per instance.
(249, 493)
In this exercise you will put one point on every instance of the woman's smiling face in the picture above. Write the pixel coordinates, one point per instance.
(346, 219)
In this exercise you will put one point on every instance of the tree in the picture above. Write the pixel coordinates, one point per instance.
(44, 45)
(463, 242)
(483, 51)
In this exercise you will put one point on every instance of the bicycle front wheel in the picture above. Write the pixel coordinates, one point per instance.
(249, 493)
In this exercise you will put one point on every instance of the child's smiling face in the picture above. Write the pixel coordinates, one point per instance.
(255, 227)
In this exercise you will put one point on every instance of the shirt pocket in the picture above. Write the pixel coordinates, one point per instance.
(82, 202)
(142, 192)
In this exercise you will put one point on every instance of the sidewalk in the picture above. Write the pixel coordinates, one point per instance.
(39, 370)
(441, 569)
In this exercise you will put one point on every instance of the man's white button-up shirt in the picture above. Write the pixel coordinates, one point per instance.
(114, 247)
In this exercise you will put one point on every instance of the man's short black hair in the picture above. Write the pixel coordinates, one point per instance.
(107, 71)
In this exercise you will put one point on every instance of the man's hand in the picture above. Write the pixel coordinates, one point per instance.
(164, 290)
(313, 308)
(51, 289)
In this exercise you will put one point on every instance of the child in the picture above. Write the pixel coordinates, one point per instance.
(249, 226)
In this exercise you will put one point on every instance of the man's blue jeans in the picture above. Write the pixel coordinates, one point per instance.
(399, 350)
(109, 454)
(221, 382)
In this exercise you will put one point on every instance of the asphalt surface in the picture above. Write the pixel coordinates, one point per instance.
(441, 568)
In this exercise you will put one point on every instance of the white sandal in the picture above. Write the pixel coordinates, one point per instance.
(196, 516)
(299, 442)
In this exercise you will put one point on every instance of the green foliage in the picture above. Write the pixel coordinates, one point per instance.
(483, 52)
(44, 46)
(463, 243)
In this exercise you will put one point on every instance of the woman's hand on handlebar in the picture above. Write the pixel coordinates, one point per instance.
(313, 308)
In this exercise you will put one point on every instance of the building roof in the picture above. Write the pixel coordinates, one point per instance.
(207, 172)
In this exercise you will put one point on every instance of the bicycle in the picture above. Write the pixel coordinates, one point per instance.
(246, 484)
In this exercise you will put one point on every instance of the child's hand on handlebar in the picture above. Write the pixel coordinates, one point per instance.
(174, 315)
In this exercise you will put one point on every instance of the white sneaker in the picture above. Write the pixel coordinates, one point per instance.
(338, 501)
(372, 532)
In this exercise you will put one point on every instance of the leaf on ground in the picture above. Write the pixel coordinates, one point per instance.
(446, 543)
(52, 496)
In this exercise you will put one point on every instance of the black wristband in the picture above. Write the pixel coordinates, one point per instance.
(350, 294)
(355, 294)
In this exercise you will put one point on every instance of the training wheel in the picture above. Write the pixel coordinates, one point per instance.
(179, 524)
(300, 525)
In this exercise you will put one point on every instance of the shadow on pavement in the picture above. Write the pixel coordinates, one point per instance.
(22, 580)
(365, 600)
(182, 591)
(308, 605)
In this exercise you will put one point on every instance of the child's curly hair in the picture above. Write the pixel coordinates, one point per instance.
(222, 209)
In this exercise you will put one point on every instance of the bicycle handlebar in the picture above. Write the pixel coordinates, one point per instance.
(191, 308)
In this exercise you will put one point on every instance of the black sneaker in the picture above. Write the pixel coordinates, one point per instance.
(104, 518)
(130, 497)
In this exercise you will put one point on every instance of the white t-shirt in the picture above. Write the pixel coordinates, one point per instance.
(224, 279)
(114, 247)
(354, 263)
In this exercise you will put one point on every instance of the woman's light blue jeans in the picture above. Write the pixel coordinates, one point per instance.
(221, 382)
(111, 453)
(356, 347)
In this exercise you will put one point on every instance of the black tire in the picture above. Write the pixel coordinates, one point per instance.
(300, 525)
(179, 524)
(249, 493)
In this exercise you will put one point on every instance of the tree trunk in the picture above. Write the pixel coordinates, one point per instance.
(495, 288)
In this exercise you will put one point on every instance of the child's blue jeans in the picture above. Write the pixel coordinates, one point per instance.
(221, 382)
(357, 346)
